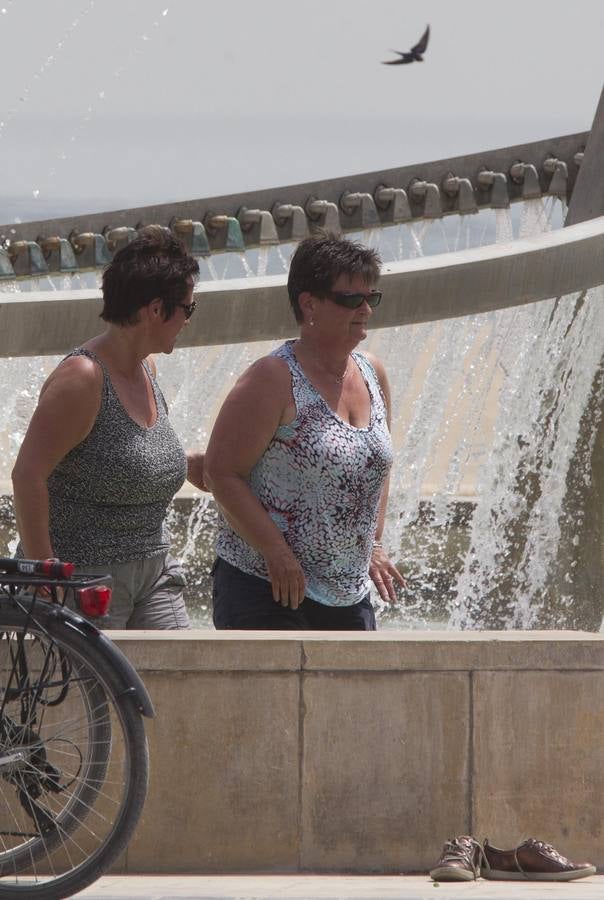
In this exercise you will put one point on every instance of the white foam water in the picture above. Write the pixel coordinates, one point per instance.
(487, 414)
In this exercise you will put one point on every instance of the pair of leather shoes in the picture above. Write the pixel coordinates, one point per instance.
(463, 859)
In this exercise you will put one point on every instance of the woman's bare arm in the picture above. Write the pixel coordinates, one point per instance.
(195, 469)
(68, 405)
(244, 428)
(382, 571)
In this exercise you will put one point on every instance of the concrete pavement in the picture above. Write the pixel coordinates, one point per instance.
(331, 887)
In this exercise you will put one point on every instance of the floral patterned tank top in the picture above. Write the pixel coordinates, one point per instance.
(320, 480)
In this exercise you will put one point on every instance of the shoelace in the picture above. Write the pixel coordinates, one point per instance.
(539, 845)
(546, 848)
(464, 850)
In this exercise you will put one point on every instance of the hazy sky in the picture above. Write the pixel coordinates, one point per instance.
(116, 103)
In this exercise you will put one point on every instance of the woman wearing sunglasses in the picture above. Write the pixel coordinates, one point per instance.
(299, 457)
(100, 461)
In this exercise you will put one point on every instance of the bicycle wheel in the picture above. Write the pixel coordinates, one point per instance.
(73, 759)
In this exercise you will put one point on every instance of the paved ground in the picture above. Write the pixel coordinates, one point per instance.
(331, 887)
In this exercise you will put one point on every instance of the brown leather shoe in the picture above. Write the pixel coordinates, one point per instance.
(533, 861)
(459, 860)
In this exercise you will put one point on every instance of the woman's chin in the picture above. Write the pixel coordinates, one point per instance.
(359, 331)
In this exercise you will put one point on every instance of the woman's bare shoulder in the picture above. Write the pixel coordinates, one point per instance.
(263, 390)
(376, 362)
(266, 370)
(382, 377)
(75, 375)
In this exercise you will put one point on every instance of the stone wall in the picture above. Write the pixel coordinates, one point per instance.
(279, 752)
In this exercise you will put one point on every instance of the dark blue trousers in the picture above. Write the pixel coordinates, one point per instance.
(246, 601)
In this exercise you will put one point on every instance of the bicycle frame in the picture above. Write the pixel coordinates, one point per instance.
(54, 618)
(74, 765)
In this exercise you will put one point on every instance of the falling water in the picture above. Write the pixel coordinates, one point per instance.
(550, 355)
(487, 411)
(136, 46)
(24, 92)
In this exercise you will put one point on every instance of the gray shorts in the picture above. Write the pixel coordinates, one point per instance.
(147, 593)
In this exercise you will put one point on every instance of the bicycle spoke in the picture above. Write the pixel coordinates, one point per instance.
(73, 756)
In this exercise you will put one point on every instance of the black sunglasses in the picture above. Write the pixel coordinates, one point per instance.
(353, 300)
(189, 308)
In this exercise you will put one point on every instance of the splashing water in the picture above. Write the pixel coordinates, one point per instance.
(136, 46)
(48, 62)
(487, 415)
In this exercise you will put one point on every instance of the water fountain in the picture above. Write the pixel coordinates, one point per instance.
(490, 405)
(492, 332)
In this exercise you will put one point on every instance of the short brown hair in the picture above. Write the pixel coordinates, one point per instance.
(319, 261)
(154, 265)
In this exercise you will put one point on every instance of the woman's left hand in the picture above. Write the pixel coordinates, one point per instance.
(384, 573)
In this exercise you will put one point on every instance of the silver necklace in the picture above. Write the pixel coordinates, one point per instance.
(339, 379)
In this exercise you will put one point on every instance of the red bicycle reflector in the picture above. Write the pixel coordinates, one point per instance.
(56, 569)
(94, 601)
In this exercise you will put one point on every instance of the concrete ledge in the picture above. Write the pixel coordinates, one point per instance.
(284, 752)
(202, 650)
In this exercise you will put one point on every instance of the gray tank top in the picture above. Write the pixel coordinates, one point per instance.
(109, 495)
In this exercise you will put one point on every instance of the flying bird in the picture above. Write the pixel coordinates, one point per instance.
(414, 55)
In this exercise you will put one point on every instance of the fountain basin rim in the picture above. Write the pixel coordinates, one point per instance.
(244, 310)
(563, 237)
(382, 651)
(391, 635)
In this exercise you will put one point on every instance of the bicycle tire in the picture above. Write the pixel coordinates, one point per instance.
(58, 841)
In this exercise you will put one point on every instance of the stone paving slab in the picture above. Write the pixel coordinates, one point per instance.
(331, 887)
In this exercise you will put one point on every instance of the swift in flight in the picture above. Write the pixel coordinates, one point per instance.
(414, 55)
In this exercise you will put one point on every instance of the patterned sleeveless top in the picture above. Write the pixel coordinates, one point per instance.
(320, 480)
(109, 494)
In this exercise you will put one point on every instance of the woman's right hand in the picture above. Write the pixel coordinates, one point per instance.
(286, 576)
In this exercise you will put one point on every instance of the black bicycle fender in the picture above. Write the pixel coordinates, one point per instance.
(127, 678)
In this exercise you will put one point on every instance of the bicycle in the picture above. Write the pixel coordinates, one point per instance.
(73, 751)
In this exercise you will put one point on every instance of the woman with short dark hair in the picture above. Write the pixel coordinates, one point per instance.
(299, 457)
(100, 462)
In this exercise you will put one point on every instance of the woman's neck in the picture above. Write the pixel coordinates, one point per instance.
(122, 348)
(332, 362)
(331, 353)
